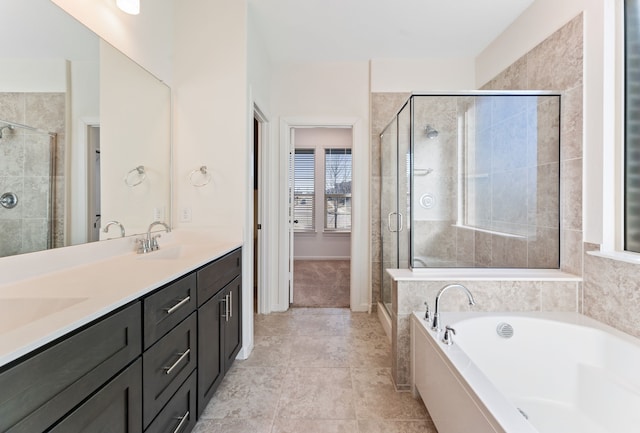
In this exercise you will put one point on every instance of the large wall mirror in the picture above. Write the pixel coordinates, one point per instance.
(85, 134)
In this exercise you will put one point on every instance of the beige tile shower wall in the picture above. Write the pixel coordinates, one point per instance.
(556, 64)
(612, 292)
(24, 169)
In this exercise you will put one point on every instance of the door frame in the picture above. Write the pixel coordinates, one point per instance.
(360, 280)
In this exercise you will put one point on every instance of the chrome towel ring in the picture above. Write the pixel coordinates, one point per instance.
(200, 176)
(135, 177)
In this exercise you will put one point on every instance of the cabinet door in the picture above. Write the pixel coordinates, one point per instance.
(210, 361)
(233, 325)
(116, 408)
(39, 390)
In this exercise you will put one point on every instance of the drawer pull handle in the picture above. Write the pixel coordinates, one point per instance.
(230, 305)
(225, 315)
(183, 355)
(180, 303)
(183, 419)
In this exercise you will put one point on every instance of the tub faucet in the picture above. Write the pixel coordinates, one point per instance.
(436, 314)
(114, 223)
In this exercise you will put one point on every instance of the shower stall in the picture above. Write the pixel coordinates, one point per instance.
(27, 188)
(471, 180)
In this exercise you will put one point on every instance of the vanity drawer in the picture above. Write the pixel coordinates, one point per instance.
(39, 390)
(167, 307)
(179, 415)
(166, 365)
(214, 276)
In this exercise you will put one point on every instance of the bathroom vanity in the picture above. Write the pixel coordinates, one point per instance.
(148, 362)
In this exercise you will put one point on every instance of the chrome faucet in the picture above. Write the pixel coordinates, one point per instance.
(150, 243)
(436, 314)
(153, 241)
(114, 223)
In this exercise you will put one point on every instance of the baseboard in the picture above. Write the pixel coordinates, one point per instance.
(385, 320)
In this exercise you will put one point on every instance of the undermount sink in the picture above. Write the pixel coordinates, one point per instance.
(172, 252)
(17, 312)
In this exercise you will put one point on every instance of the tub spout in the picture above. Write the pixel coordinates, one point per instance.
(436, 313)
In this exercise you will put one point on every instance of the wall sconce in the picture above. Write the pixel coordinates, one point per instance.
(131, 7)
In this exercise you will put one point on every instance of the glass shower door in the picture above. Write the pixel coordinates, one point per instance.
(388, 208)
(395, 199)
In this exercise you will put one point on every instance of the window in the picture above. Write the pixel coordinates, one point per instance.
(632, 126)
(337, 192)
(304, 190)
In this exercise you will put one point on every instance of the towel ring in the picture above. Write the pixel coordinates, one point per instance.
(135, 177)
(203, 172)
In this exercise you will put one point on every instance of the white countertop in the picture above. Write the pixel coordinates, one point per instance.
(45, 295)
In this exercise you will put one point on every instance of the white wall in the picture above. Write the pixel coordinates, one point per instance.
(540, 20)
(333, 94)
(422, 75)
(146, 38)
(210, 113)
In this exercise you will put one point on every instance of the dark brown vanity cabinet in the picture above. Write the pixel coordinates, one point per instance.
(219, 322)
(150, 366)
(37, 391)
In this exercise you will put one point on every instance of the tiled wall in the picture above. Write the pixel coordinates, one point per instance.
(556, 64)
(612, 292)
(24, 170)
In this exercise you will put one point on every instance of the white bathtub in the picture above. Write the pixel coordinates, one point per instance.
(566, 372)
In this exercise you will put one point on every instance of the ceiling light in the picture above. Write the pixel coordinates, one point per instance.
(129, 6)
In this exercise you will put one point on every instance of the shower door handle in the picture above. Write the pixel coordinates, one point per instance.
(399, 228)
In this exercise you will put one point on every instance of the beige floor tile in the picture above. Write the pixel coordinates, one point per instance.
(376, 397)
(315, 370)
(317, 325)
(269, 351)
(386, 426)
(272, 325)
(247, 393)
(233, 426)
(322, 351)
(369, 351)
(308, 311)
(317, 393)
(314, 426)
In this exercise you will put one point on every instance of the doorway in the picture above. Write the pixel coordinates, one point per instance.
(321, 179)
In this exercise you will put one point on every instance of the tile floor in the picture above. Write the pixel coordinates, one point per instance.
(314, 371)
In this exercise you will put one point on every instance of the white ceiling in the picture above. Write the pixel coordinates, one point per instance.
(341, 30)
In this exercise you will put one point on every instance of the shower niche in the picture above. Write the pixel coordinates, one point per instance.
(472, 180)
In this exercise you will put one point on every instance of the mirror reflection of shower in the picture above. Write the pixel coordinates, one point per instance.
(431, 132)
(27, 214)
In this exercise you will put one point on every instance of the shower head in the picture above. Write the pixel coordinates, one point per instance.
(431, 132)
(2, 130)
